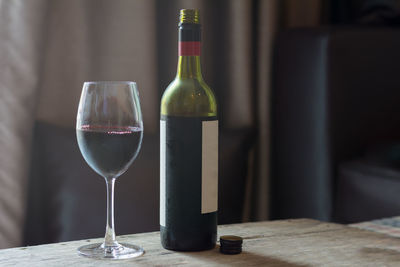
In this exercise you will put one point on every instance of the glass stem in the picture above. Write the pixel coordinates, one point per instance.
(109, 239)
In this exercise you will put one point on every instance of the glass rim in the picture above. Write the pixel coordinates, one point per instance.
(109, 82)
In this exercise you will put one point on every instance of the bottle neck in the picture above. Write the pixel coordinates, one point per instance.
(189, 68)
(189, 50)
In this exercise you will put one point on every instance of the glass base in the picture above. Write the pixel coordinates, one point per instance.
(121, 251)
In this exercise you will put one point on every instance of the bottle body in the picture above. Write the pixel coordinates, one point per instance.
(188, 209)
(188, 154)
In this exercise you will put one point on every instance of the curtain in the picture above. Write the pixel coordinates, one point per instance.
(49, 48)
(97, 40)
(22, 32)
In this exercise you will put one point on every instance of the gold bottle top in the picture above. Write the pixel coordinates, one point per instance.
(189, 16)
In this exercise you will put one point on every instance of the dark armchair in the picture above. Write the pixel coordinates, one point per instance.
(336, 96)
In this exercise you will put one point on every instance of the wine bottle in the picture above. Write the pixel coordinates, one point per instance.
(188, 149)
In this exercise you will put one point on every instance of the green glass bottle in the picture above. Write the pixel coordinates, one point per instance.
(188, 150)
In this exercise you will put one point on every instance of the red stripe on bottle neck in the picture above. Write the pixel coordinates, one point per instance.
(189, 49)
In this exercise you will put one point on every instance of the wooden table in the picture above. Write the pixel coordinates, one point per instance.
(301, 242)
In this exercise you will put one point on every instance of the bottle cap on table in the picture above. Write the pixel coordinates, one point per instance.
(230, 244)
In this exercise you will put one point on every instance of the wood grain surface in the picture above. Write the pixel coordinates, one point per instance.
(300, 242)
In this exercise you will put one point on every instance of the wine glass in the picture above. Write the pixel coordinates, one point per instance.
(109, 129)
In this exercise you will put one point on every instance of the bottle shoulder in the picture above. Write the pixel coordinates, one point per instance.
(188, 97)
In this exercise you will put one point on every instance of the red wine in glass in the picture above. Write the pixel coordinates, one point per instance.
(109, 151)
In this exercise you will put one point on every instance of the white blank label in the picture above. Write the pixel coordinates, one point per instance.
(209, 168)
(162, 172)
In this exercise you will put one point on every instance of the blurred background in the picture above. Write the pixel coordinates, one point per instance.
(308, 94)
